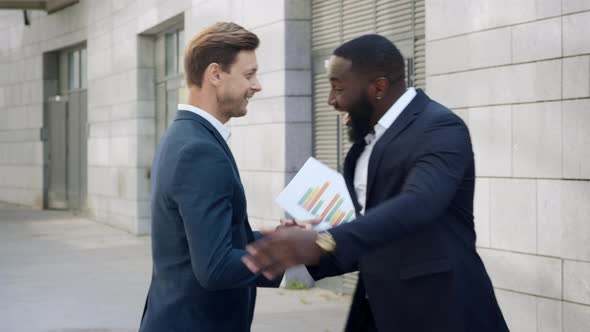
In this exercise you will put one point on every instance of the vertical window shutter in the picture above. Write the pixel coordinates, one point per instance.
(337, 21)
(419, 45)
(326, 27)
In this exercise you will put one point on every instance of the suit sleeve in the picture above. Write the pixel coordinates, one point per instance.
(331, 266)
(203, 190)
(430, 186)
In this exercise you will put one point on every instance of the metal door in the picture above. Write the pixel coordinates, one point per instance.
(56, 154)
(76, 150)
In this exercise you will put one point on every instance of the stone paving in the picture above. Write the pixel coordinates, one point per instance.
(64, 273)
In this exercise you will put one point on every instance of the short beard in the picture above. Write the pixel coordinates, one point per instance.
(360, 119)
(229, 106)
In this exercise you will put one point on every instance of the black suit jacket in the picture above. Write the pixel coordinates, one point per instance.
(415, 245)
(199, 231)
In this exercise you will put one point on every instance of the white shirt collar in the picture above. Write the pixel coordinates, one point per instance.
(223, 130)
(391, 115)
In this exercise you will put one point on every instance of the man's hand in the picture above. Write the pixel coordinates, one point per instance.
(281, 249)
(306, 224)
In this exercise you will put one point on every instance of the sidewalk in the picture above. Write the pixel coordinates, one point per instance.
(62, 273)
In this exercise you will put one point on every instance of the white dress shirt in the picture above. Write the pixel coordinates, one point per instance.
(223, 130)
(362, 165)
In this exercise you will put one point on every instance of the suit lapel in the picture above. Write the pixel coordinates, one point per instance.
(404, 120)
(349, 167)
(192, 116)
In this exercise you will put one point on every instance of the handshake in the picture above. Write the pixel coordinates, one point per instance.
(291, 243)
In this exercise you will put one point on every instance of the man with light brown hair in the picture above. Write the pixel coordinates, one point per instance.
(199, 220)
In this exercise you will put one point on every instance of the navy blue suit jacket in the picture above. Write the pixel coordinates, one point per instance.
(199, 231)
(415, 246)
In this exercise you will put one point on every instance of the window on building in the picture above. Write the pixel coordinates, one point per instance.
(174, 51)
(76, 68)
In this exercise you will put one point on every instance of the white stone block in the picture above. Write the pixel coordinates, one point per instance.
(98, 151)
(271, 53)
(102, 181)
(2, 98)
(100, 63)
(132, 110)
(125, 54)
(98, 114)
(575, 212)
(261, 190)
(523, 273)
(499, 85)
(481, 49)
(537, 40)
(481, 211)
(205, 13)
(99, 91)
(100, 130)
(123, 87)
(442, 15)
(576, 317)
(36, 91)
(34, 115)
(549, 317)
(519, 310)
(126, 10)
(576, 281)
(145, 147)
(136, 185)
(513, 214)
(529, 313)
(549, 218)
(27, 197)
(576, 139)
(576, 77)
(259, 147)
(100, 10)
(77, 15)
(123, 151)
(262, 110)
(575, 34)
(99, 27)
(262, 12)
(133, 127)
(490, 130)
(285, 83)
(570, 6)
(100, 43)
(537, 140)
(563, 228)
(572, 211)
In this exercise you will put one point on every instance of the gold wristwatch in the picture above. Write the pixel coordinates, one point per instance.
(326, 242)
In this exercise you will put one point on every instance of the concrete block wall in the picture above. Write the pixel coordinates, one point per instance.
(518, 73)
(273, 141)
(21, 95)
(270, 144)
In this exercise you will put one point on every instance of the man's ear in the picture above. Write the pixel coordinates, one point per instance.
(379, 87)
(213, 74)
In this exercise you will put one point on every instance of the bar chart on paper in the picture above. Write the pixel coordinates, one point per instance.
(324, 207)
(318, 192)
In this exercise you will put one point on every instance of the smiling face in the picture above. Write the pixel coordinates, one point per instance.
(238, 85)
(349, 95)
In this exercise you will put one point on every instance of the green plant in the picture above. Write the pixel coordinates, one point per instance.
(295, 284)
